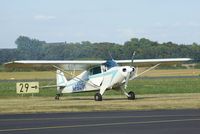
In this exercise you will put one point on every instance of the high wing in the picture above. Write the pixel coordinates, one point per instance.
(151, 62)
(66, 64)
(83, 65)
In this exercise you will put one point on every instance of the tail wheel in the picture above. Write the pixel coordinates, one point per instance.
(131, 95)
(98, 97)
(57, 97)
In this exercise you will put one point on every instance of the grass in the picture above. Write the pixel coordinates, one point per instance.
(77, 104)
(168, 85)
(52, 74)
(172, 72)
(139, 86)
(27, 75)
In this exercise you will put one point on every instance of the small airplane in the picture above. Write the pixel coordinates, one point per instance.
(99, 75)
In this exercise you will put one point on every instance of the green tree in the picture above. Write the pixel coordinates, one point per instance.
(29, 49)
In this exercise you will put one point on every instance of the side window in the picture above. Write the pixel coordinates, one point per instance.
(95, 70)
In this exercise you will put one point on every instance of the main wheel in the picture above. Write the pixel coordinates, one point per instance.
(131, 95)
(98, 97)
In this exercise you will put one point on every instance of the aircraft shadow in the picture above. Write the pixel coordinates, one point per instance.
(109, 99)
(93, 98)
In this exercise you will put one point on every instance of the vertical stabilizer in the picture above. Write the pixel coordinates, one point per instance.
(61, 79)
(61, 82)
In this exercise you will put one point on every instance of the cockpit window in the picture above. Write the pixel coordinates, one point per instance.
(95, 70)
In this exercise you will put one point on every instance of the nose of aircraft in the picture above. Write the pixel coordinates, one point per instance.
(127, 70)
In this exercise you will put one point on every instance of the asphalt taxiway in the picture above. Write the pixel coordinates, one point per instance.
(113, 122)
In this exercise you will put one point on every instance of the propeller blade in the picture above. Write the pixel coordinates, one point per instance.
(132, 59)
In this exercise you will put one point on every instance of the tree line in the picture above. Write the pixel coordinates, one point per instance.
(34, 49)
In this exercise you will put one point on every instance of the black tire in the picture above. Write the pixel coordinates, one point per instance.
(131, 95)
(98, 97)
(57, 97)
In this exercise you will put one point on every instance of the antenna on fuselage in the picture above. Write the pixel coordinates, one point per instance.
(110, 55)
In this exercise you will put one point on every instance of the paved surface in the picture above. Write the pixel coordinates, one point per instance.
(137, 122)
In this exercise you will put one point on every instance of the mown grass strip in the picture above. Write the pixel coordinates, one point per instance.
(139, 86)
(110, 103)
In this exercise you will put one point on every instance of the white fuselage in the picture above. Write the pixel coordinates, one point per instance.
(107, 79)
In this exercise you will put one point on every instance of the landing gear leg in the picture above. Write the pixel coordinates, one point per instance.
(98, 97)
(130, 95)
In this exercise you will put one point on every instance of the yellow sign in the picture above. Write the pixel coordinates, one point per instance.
(27, 87)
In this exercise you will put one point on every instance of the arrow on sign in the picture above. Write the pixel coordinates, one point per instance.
(34, 87)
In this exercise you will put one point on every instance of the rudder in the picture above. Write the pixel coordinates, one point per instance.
(60, 79)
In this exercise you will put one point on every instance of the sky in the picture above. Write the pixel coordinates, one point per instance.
(114, 21)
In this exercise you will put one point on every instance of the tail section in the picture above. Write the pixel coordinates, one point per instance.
(61, 83)
(61, 79)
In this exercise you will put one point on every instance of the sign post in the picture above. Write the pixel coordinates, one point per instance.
(27, 87)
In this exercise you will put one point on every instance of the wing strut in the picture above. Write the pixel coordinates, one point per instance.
(149, 69)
